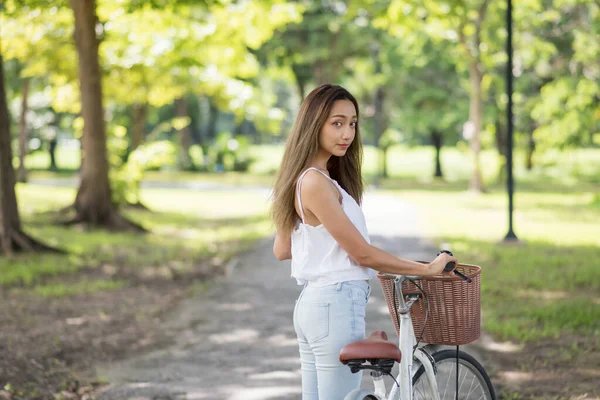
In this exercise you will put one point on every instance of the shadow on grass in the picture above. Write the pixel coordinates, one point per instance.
(178, 245)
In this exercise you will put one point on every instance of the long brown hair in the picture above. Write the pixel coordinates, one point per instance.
(303, 145)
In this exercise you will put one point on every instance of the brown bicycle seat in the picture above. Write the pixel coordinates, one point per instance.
(375, 346)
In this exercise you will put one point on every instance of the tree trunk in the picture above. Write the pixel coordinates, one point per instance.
(300, 80)
(185, 137)
(212, 122)
(22, 172)
(378, 128)
(500, 139)
(437, 141)
(211, 132)
(12, 239)
(93, 203)
(301, 90)
(140, 112)
(52, 143)
(320, 72)
(475, 117)
(9, 213)
(379, 116)
(530, 148)
(239, 129)
(384, 170)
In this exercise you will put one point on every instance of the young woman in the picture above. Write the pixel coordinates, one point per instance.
(321, 227)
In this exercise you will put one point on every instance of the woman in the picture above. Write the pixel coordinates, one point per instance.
(321, 227)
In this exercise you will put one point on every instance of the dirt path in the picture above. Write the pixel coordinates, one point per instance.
(236, 341)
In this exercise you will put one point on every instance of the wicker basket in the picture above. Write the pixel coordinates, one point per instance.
(454, 306)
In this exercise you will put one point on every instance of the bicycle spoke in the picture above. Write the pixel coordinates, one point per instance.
(471, 388)
(421, 393)
(474, 380)
(464, 377)
(447, 383)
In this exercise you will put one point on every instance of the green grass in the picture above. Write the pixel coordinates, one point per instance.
(567, 168)
(66, 159)
(417, 163)
(188, 228)
(548, 287)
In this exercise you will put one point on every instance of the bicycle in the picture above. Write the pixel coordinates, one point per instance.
(432, 371)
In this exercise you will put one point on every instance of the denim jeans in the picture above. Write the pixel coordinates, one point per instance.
(327, 319)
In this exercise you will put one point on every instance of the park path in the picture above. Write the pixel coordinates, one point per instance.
(235, 341)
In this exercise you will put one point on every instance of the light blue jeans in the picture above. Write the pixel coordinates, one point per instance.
(327, 319)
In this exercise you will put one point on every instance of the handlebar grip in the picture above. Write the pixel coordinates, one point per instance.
(451, 265)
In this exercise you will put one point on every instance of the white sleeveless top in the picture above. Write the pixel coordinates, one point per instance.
(317, 259)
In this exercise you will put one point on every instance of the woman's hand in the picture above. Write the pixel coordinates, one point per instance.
(437, 266)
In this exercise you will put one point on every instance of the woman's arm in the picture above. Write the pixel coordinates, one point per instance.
(325, 206)
(282, 247)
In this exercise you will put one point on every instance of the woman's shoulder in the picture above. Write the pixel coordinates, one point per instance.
(313, 180)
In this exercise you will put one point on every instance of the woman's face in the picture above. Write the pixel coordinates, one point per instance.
(339, 129)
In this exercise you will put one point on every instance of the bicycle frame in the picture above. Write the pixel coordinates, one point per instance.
(408, 366)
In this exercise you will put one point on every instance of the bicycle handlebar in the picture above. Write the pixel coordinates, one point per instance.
(449, 267)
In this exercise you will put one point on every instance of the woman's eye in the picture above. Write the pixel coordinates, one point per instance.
(337, 123)
(352, 124)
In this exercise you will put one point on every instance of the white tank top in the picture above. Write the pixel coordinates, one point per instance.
(317, 259)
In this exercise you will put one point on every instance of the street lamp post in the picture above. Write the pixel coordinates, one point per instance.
(510, 236)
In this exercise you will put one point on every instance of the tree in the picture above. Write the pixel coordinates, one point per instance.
(466, 26)
(39, 42)
(567, 113)
(316, 49)
(93, 203)
(432, 101)
(12, 238)
(210, 52)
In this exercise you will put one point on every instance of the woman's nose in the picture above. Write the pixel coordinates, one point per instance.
(347, 133)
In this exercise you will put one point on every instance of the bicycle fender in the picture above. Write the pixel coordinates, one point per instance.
(360, 394)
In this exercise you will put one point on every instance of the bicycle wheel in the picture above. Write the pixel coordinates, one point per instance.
(473, 381)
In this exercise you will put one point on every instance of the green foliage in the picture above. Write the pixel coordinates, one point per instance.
(39, 36)
(567, 112)
(389, 138)
(326, 31)
(231, 153)
(126, 177)
(250, 58)
(154, 55)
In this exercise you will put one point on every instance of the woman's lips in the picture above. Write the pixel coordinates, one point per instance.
(344, 146)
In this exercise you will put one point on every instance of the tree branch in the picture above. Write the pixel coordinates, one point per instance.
(480, 17)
